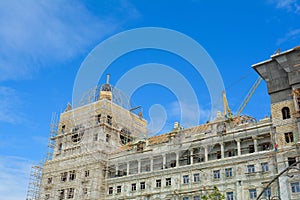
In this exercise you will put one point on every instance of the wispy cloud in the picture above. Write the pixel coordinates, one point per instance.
(13, 177)
(291, 35)
(288, 5)
(9, 105)
(37, 34)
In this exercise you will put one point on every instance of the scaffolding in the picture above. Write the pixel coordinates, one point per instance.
(34, 182)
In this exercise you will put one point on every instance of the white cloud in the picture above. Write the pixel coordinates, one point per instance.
(14, 177)
(288, 5)
(9, 105)
(291, 35)
(36, 34)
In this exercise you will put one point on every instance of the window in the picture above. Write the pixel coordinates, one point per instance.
(286, 114)
(70, 193)
(267, 192)
(95, 138)
(291, 160)
(252, 194)
(143, 185)
(98, 118)
(87, 173)
(295, 187)
(265, 167)
(60, 147)
(61, 194)
(49, 180)
(85, 191)
(47, 196)
(72, 175)
(158, 183)
(196, 177)
(119, 189)
(63, 176)
(229, 196)
(77, 133)
(168, 182)
(107, 138)
(289, 137)
(197, 197)
(219, 155)
(186, 179)
(228, 172)
(231, 153)
(251, 169)
(251, 149)
(216, 174)
(63, 128)
(185, 198)
(109, 119)
(110, 190)
(133, 187)
(173, 164)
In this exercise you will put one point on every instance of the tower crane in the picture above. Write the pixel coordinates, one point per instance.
(227, 111)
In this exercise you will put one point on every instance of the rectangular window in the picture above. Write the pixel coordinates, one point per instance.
(119, 189)
(267, 193)
(98, 118)
(197, 197)
(47, 196)
(251, 169)
(228, 172)
(63, 176)
(251, 149)
(186, 179)
(107, 138)
(85, 191)
(133, 187)
(87, 173)
(252, 194)
(61, 194)
(95, 138)
(196, 177)
(229, 196)
(143, 185)
(185, 198)
(295, 187)
(70, 193)
(110, 190)
(289, 137)
(49, 180)
(265, 167)
(158, 183)
(168, 182)
(216, 174)
(291, 160)
(72, 175)
(109, 119)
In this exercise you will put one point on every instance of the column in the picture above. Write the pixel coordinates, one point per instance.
(128, 165)
(151, 164)
(255, 143)
(117, 170)
(192, 156)
(139, 166)
(222, 149)
(164, 161)
(206, 153)
(177, 159)
(238, 142)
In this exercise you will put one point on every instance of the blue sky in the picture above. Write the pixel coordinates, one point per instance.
(43, 43)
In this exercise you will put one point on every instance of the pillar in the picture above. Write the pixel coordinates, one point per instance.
(238, 142)
(151, 164)
(177, 159)
(192, 156)
(222, 149)
(117, 170)
(164, 161)
(128, 168)
(255, 143)
(206, 153)
(139, 166)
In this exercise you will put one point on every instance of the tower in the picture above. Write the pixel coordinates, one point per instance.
(282, 75)
(86, 137)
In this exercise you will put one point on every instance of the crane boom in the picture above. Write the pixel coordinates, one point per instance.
(249, 95)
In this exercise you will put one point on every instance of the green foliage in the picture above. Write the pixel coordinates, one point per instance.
(214, 195)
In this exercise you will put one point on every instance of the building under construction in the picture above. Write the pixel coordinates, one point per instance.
(99, 151)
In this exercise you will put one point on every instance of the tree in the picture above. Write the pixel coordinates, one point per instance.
(214, 195)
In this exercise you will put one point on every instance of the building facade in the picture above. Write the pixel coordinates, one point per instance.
(101, 150)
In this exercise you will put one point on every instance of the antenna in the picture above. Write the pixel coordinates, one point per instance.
(107, 78)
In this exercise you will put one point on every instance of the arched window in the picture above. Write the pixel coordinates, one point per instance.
(286, 113)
